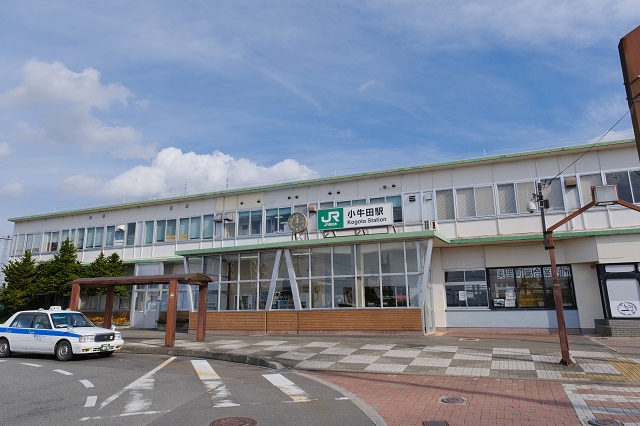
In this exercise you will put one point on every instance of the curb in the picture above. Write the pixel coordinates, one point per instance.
(200, 353)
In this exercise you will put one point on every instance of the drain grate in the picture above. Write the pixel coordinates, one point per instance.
(435, 423)
(234, 421)
(468, 339)
(604, 422)
(453, 400)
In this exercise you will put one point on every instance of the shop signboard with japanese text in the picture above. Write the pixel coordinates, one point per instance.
(360, 216)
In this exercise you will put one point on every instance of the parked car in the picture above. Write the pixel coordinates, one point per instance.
(64, 333)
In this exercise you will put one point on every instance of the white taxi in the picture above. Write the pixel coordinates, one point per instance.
(64, 333)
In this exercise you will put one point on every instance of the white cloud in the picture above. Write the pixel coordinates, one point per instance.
(11, 189)
(54, 84)
(172, 169)
(5, 149)
(371, 84)
(80, 185)
(59, 103)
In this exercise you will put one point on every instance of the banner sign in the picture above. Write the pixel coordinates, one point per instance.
(359, 216)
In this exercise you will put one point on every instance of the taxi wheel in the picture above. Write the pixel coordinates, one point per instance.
(105, 354)
(63, 351)
(5, 350)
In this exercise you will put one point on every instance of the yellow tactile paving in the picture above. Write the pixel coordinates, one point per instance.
(629, 372)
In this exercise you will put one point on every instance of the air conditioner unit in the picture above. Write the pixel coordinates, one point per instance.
(313, 207)
(218, 217)
(229, 217)
(430, 225)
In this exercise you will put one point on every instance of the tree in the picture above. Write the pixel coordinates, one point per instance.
(54, 274)
(20, 291)
(103, 266)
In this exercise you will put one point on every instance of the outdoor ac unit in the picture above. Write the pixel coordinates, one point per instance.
(218, 217)
(430, 225)
(313, 207)
(228, 217)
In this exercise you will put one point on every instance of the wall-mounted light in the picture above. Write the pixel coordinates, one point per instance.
(241, 203)
(337, 192)
(170, 207)
(329, 192)
(186, 206)
(384, 186)
(393, 185)
(258, 201)
(104, 215)
(90, 217)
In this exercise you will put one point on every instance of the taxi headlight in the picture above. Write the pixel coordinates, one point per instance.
(118, 336)
(86, 339)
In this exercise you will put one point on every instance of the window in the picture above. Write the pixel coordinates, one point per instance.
(94, 237)
(207, 227)
(250, 222)
(444, 204)
(466, 288)
(194, 228)
(183, 234)
(80, 239)
(586, 182)
(513, 198)
(111, 236)
(396, 200)
(51, 240)
(529, 287)
(276, 220)
(552, 191)
(131, 233)
(148, 232)
(166, 230)
(628, 185)
(473, 202)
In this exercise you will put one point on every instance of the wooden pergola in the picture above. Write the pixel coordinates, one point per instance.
(199, 279)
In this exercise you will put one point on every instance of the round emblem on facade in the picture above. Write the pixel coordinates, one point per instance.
(297, 222)
(627, 308)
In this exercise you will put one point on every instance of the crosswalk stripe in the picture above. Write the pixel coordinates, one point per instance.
(288, 387)
(144, 382)
(213, 384)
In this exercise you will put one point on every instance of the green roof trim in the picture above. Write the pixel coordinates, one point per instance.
(333, 241)
(153, 260)
(538, 236)
(502, 157)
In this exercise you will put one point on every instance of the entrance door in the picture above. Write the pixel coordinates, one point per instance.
(146, 309)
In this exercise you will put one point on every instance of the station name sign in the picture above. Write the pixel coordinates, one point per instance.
(360, 216)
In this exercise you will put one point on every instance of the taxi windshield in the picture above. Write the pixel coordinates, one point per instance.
(70, 319)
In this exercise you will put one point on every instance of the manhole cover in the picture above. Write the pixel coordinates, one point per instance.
(604, 422)
(453, 400)
(234, 421)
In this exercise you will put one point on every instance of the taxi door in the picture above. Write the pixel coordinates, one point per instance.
(18, 332)
(41, 335)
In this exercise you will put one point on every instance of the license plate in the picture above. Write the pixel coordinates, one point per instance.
(104, 348)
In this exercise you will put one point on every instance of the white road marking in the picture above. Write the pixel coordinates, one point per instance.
(287, 387)
(91, 401)
(144, 382)
(213, 384)
(31, 365)
(87, 384)
(84, 419)
(66, 373)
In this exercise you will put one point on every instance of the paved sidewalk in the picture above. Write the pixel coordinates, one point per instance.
(514, 356)
(446, 379)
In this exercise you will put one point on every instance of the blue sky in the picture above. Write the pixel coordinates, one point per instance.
(111, 102)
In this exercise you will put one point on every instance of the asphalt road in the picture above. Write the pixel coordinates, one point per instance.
(130, 389)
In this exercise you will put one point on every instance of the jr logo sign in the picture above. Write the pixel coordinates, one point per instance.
(330, 219)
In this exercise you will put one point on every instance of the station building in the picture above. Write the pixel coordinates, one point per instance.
(414, 250)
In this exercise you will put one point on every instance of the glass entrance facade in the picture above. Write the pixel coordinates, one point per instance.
(380, 275)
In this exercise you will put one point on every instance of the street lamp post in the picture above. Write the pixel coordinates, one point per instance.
(602, 195)
(557, 293)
